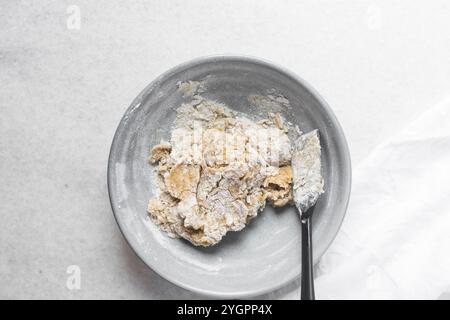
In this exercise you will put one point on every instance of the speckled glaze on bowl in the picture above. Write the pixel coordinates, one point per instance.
(266, 254)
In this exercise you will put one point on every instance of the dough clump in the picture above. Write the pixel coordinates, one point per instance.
(218, 171)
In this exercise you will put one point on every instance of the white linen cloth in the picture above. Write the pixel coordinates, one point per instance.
(395, 239)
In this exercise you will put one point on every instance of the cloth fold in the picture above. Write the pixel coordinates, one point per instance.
(395, 239)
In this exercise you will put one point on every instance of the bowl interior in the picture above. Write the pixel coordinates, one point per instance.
(266, 254)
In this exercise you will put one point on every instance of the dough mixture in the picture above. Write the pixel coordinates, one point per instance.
(218, 171)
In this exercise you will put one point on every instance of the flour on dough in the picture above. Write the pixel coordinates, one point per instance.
(218, 171)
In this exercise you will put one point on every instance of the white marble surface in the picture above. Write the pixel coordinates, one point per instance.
(379, 64)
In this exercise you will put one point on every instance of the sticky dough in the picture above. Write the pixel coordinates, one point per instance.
(218, 171)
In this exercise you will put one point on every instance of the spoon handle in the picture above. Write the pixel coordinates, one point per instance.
(307, 284)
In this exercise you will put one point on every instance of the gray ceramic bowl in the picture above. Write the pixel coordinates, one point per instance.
(266, 254)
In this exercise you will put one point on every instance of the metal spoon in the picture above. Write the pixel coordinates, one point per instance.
(307, 186)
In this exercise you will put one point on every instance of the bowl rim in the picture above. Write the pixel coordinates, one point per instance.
(247, 59)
